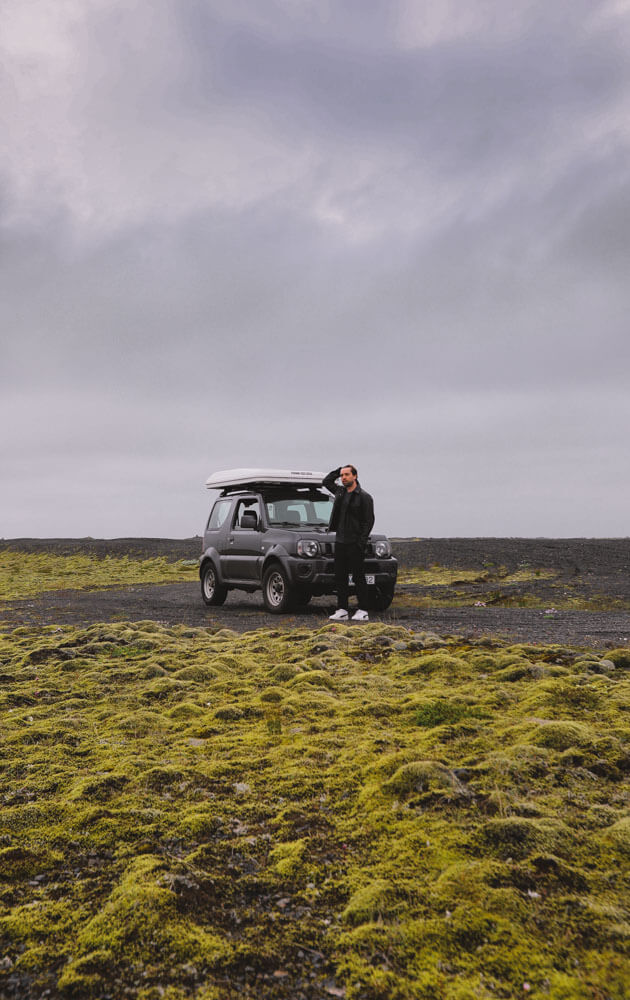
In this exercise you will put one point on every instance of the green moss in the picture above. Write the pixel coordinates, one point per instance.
(370, 902)
(314, 678)
(465, 882)
(162, 689)
(163, 777)
(562, 986)
(229, 713)
(286, 859)
(518, 836)
(26, 574)
(440, 711)
(619, 835)
(620, 657)
(40, 932)
(284, 672)
(141, 723)
(431, 663)
(444, 576)
(186, 710)
(516, 670)
(511, 658)
(175, 993)
(138, 921)
(197, 822)
(483, 661)
(182, 794)
(575, 696)
(19, 861)
(273, 695)
(86, 975)
(98, 788)
(560, 734)
(199, 672)
(421, 776)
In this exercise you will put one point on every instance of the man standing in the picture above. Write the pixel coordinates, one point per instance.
(352, 519)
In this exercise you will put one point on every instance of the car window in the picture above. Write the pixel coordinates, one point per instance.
(322, 510)
(250, 505)
(219, 513)
(297, 510)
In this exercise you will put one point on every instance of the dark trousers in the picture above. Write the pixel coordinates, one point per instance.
(349, 558)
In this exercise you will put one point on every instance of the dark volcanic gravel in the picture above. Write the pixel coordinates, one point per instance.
(587, 568)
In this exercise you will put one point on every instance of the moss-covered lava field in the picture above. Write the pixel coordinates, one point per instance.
(27, 574)
(338, 811)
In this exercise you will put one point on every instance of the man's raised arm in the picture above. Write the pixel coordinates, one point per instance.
(330, 480)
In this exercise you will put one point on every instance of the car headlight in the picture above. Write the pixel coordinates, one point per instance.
(308, 547)
(382, 549)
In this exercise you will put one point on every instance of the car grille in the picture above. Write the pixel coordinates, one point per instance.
(328, 549)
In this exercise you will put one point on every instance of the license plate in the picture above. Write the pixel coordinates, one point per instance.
(370, 579)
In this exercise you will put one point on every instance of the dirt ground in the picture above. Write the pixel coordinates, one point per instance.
(593, 572)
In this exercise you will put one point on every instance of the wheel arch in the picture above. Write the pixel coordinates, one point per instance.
(211, 556)
(272, 558)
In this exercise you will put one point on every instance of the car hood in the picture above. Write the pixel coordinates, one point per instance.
(320, 534)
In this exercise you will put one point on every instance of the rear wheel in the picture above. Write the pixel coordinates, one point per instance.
(277, 592)
(212, 592)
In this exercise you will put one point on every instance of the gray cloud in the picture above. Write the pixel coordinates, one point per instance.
(239, 234)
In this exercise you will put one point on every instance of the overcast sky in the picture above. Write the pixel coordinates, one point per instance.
(300, 233)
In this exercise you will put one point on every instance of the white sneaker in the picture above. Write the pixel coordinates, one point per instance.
(340, 615)
(360, 616)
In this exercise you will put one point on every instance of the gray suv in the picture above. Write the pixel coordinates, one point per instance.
(268, 530)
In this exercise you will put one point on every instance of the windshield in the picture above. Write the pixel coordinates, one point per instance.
(300, 508)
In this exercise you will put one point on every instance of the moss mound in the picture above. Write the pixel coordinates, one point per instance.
(420, 776)
(138, 920)
(520, 835)
(560, 734)
(619, 835)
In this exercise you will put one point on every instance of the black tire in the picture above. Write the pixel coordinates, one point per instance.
(303, 596)
(381, 598)
(213, 593)
(278, 595)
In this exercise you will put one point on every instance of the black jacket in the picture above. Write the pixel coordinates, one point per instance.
(360, 513)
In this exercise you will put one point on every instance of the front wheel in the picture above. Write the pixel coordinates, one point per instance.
(277, 593)
(212, 592)
(381, 598)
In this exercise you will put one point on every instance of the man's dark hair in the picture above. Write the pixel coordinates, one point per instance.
(351, 467)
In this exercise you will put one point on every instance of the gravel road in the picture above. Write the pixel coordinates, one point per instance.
(587, 568)
(180, 603)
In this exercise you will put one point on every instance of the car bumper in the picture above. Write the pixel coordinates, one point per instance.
(318, 575)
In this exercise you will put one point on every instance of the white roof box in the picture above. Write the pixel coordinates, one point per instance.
(247, 477)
